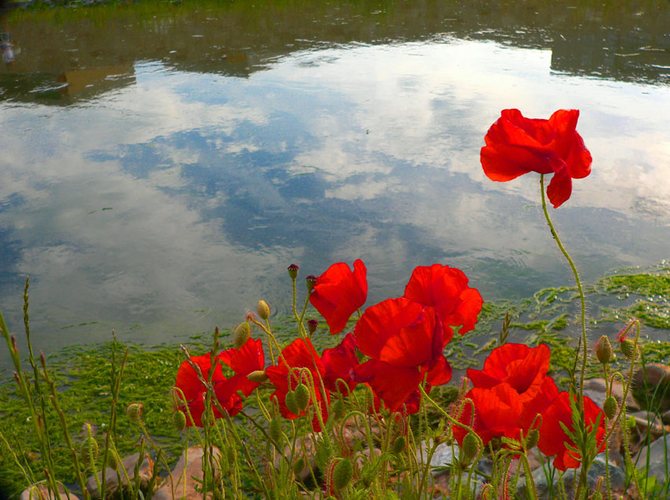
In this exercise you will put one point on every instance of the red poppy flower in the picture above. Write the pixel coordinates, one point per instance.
(340, 363)
(243, 361)
(553, 438)
(285, 376)
(516, 145)
(509, 392)
(339, 292)
(405, 341)
(446, 289)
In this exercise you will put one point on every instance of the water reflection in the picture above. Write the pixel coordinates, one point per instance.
(168, 196)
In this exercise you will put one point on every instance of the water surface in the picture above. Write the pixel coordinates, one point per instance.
(162, 165)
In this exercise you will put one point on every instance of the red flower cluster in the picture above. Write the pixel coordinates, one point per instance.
(511, 391)
(242, 361)
(516, 145)
(405, 337)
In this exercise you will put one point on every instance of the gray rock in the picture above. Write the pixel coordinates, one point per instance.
(185, 477)
(595, 389)
(659, 455)
(444, 456)
(651, 387)
(125, 472)
(39, 491)
(648, 422)
(597, 470)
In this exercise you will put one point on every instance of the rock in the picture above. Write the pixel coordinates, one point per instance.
(39, 491)
(185, 477)
(659, 455)
(647, 422)
(444, 456)
(651, 387)
(597, 470)
(126, 474)
(595, 389)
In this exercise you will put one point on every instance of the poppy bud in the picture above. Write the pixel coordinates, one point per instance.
(275, 429)
(337, 408)
(311, 326)
(301, 397)
(263, 309)
(629, 349)
(604, 351)
(342, 474)
(134, 411)
(470, 448)
(179, 420)
(532, 438)
(291, 403)
(257, 376)
(310, 281)
(610, 406)
(293, 271)
(398, 445)
(488, 492)
(241, 334)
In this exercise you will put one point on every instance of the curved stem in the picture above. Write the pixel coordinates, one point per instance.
(580, 290)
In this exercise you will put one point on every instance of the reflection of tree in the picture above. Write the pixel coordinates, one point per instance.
(621, 40)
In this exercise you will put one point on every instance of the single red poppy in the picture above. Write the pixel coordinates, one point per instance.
(405, 341)
(338, 292)
(242, 361)
(446, 289)
(516, 145)
(554, 440)
(286, 376)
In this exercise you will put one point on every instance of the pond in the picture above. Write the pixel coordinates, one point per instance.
(163, 163)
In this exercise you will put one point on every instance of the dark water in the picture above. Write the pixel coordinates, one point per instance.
(161, 165)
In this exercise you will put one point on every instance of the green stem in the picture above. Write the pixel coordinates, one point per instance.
(582, 301)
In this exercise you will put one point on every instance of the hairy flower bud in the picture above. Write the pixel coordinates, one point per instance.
(629, 349)
(291, 403)
(263, 309)
(293, 271)
(258, 376)
(89, 450)
(470, 448)
(532, 438)
(241, 334)
(342, 474)
(610, 406)
(275, 429)
(310, 281)
(604, 351)
(179, 420)
(135, 411)
(398, 445)
(301, 397)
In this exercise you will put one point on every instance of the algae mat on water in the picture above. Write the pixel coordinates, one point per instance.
(83, 374)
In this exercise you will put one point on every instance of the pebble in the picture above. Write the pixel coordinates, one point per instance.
(186, 477)
(651, 387)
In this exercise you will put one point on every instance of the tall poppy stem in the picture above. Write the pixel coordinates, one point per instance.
(582, 341)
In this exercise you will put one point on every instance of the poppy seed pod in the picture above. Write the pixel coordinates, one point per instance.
(263, 309)
(241, 334)
(604, 351)
(293, 271)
